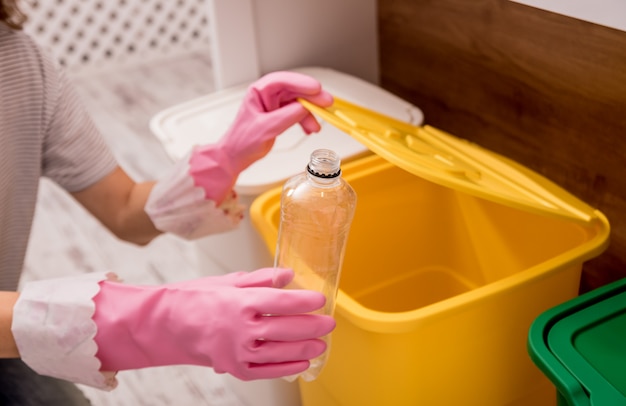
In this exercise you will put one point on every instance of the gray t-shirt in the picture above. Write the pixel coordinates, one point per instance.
(44, 131)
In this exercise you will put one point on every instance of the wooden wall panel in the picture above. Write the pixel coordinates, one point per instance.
(545, 90)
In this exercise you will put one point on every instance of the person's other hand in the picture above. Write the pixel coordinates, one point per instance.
(242, 324)
(269, 108)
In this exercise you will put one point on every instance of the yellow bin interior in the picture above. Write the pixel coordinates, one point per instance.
(437, 292)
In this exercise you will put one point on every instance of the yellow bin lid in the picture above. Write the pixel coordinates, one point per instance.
(454, 162)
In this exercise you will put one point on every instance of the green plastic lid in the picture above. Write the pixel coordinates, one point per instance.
(454, 162)
(581, 346)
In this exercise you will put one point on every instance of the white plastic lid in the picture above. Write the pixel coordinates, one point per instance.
(204, 120)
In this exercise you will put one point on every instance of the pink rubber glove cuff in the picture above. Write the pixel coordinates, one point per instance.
(177, 206)
(212, 170)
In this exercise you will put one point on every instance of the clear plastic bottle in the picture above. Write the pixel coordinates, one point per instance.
(317, 207)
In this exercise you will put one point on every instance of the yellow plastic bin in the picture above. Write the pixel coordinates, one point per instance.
(453, 252)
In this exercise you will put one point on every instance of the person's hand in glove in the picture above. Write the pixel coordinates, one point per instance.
(242, 324)
(198, 198)
(268, 109)
(85, 328)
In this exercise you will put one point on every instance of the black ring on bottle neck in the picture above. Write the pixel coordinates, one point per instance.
(323, 175)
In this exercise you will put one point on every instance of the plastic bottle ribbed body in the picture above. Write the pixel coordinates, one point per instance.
(317, 208)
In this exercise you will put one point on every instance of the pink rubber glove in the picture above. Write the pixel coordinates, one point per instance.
(269, 108)
(222, 322)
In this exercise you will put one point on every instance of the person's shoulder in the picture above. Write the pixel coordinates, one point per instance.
(19, 45)
(16, 40)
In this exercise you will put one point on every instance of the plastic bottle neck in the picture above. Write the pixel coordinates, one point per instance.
(324, 165)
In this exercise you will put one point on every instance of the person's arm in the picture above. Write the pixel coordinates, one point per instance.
(84, 328)
(8, 349)
(118, 202)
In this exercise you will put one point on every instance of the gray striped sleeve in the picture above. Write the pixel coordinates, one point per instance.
(44, 131)
(74, 154)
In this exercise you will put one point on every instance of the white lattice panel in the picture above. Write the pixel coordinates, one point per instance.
(101, 33)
